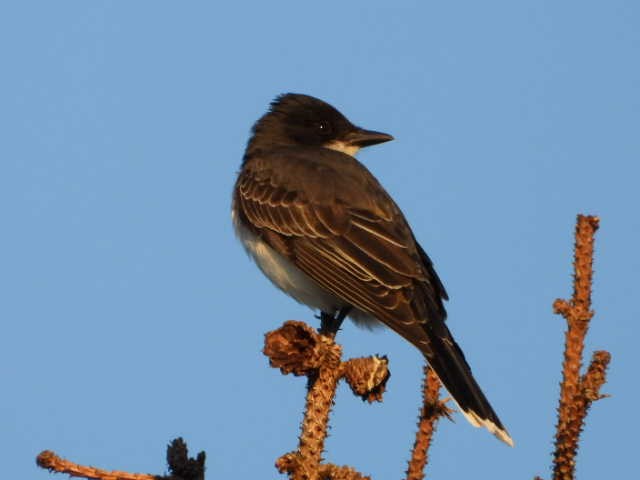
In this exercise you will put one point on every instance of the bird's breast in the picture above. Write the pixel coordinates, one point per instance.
(283, 273)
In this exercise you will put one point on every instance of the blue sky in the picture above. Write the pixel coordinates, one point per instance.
(132, 316)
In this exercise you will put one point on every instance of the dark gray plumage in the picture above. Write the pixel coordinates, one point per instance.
(325, 231)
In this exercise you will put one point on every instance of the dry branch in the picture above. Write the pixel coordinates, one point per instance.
(297, 348)
(181, 467)
(432, 409)
(576, 392)
(49, 460)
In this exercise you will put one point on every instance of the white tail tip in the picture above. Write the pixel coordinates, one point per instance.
(476, 421)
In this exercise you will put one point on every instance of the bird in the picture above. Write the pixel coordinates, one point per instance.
(323, 229)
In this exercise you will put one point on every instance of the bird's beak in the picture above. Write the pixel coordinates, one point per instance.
(363, 138)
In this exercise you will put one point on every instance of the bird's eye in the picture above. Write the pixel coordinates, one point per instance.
(324, 127)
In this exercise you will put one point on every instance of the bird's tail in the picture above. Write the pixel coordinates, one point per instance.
(447, 360)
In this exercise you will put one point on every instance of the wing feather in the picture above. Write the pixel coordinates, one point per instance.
(389, 255)
(344, 285)
(334, 218)
(289, 219)
(378, 229)
(360, 259)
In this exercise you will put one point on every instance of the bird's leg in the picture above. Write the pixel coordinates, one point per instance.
(330, 324)
(342, 314)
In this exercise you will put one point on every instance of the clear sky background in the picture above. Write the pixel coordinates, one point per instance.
(131, 315)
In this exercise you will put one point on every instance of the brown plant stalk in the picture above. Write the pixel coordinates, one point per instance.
(181, 466)
(297, 348)
(49, 460)
(432, 409)
(577, 392)
(320, 399)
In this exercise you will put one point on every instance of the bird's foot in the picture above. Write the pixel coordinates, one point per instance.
(330, 324)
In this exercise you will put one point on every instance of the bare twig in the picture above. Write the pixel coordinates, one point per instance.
(335, 472)
(181, 467)
(53, 462)
(322, 390)
(297, 348)
(576, 392)
(432, 409)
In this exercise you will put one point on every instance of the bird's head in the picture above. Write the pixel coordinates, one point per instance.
(301, 120)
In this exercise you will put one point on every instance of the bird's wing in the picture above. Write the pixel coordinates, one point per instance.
(348, 236)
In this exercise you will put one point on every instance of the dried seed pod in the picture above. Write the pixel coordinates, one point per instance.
(294, 348)
(367, 377)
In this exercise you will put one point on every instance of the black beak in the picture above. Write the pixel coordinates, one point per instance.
(364, 138)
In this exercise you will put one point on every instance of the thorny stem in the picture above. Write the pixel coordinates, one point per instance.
(181, 466)
(51, 461)
(576, 393)
(335, 472)
(322, 388)
(297, 348)
(432, 409)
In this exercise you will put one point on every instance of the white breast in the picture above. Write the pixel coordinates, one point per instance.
(293, 281)
(284, 275)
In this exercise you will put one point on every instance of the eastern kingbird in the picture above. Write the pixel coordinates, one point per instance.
(323, 230)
